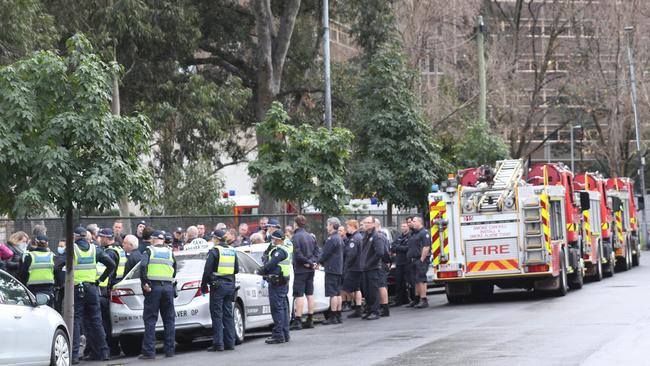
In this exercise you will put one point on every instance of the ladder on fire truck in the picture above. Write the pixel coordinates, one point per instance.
(508, 174)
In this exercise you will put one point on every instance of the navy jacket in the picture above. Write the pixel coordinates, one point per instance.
(132, 259)
(351, 252)
(417, 241)
(211, 265)
(373, 250)
(400, 247)
(332, 256)
(305, 251)
(272, 266)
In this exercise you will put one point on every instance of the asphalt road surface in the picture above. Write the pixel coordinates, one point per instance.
(605, 323)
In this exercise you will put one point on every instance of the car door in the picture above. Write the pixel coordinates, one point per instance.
(254, 291)
(31, 337)
(9, 325)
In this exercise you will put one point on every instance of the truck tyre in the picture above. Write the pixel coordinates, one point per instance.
(131, 344)
(598, 272)
(454, 297)
(482, 291)
(608, 269)
(635, 257)
(576, 279)
(624, 263)
(563, 286)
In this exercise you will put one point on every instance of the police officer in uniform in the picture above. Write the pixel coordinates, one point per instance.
(352, 267)
(372, 251)
(421, 262)
(118, 255)
(277, 272)
(86, 296)
(37, 269)
(332, 261)
(221, 266)
(157, 273)
(398, 250)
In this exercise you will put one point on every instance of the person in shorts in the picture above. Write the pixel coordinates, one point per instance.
(305, 259)
(332, 261)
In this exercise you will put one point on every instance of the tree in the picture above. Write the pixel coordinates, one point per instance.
(62, 149)
(395, 156)
(303, 164)
(26, 27)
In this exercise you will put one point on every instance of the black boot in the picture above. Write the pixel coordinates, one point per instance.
(357, 312)
(337, 317)
(331, 319)
(296, 324)
(414, 302)
(385, 310)
(424, 303)
(309, 323)
(347, 306)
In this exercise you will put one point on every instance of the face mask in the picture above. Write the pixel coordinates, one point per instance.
(22, 247)
(61, 250)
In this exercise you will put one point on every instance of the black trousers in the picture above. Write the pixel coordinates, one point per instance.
(404, 292)
(371, 290)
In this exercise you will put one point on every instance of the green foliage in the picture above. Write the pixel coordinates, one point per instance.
(192, 189)
(396, 158)
(26, 27)
(60, 144)
(372, 24)
(303, 164)
(479, 145)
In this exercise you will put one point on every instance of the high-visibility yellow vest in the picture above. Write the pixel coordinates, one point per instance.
(41, 270)
(119, 272)
(161, 264)
(226, 265)
(285, 264)
(85, 265)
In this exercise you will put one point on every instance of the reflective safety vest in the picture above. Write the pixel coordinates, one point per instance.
(285, 265)
(41, 270)
(85, 265)
(161, 264)
(226, 266)
(119, 272)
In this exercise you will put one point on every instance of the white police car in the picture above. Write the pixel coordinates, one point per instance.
(251, 307)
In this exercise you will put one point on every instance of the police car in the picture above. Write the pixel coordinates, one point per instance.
(251, 307)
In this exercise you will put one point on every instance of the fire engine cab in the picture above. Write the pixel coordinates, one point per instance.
(502, 231)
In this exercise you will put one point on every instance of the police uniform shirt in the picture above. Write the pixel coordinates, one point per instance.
(144, 263)
(273, 265)
(211, 265)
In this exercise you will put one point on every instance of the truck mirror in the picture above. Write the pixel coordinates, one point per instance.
(585, 203)
(616, 204)
(640, 206)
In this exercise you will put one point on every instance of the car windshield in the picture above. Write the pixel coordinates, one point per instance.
(257, 256)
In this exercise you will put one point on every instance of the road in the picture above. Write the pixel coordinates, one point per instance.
(604, 323)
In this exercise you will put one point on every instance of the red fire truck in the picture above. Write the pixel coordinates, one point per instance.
(620, 192)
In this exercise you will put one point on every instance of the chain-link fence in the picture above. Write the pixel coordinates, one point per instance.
(56, 226)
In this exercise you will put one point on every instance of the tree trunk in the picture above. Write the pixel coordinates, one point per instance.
(68, 300)
(389, 213)
(123, 203)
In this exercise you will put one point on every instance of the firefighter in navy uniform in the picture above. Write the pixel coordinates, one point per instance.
(86, 296)
(157, 273)
(277, 271)
(219, 272)
(116, 253)
(37, 269)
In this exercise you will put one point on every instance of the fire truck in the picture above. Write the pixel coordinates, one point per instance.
(505, 231)
(620, 192)
(598, 251)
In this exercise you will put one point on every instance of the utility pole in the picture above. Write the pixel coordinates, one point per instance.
(326, 66)
(630, 59)
(482, 88)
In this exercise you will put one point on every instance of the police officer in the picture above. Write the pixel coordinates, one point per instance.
(37, 269)
(86, 296)
(352, 267)
(422, 244)
(219, 272)
(118, 255)
(177, 243)
(305, 258)
(332, 260)
(157, 273)
(372, 251)
(398, 250)
(277, 271)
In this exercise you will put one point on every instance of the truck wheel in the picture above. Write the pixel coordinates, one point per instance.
(131, 344)
(453, 297)
(563, 287)
(635, 257)
(598, 273)
(577, 278)
(608, 270)
(482, 291)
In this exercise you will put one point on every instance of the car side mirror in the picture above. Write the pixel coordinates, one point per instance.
(42, 299)
(640, 203)
(585, 203)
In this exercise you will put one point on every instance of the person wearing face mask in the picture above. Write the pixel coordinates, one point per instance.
(59, 276)
(18, 246)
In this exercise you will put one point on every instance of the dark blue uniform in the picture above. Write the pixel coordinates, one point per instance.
(278, 295)
(332, 260)
(403, 292)
(372, 251)
(87, 309)
(222, 295)
(352, 263)
(160, 299)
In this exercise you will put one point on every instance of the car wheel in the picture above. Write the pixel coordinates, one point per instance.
(131, 344)
(240, 330)
(60, 349)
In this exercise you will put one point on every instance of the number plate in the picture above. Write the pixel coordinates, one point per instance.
(448, 267)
